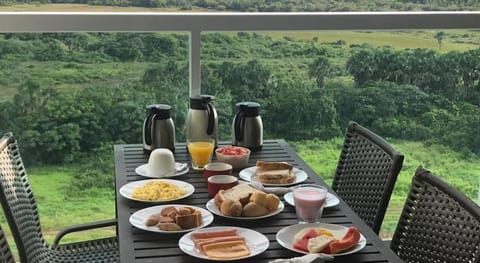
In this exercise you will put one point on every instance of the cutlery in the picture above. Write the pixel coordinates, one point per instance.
(317, 258)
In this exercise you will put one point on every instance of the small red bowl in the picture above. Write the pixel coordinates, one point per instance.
(236, 156)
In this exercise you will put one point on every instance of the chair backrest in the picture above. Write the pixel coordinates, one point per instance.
(438, 223)
(6, 255)
(19, 205)
(366, 173)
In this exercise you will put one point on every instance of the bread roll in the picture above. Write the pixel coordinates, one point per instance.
(259, 198)
(153, 220)
(184, 211)
(254, 209)
(272, 202)
(168, 210)
(169, 227)
(240, 192)
(230, 207)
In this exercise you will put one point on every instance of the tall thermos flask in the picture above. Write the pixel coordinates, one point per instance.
(158, 128)
(202, 118)
(247, 126)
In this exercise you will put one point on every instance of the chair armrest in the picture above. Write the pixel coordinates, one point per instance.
(83, 227)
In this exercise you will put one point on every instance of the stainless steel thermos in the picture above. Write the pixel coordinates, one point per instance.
(158, 128)
(247, 126)
(202, 118)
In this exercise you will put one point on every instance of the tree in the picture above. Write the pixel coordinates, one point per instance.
(320, 69)
(440, 36)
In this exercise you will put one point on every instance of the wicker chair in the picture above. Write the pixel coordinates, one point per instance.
(366, 173)
(6, 255)
(21, 211)
(438, 223)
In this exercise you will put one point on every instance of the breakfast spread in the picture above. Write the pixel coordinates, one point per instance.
(158, 191)
(222, 244)
(274, 172)
(244, 200)
(319, 240)
(172, 218)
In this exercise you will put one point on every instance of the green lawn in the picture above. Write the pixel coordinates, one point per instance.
(458, 40)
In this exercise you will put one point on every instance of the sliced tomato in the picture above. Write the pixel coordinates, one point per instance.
(232, 150)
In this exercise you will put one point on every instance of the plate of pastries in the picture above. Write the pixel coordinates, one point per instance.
(171, 218)
(245, 203)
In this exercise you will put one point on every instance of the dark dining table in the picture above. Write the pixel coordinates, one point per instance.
(142, 246)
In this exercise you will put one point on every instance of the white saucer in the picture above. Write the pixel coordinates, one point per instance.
(182, 168)
(332, 200)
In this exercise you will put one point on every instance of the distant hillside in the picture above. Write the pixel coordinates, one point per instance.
(275, 6)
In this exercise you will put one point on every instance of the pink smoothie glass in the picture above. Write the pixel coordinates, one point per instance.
(309, 202)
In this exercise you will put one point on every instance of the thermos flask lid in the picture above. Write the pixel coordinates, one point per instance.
(161, 110)
(200, 102)
(250, 109)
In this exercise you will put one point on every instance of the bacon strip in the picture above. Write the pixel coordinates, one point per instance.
(213, 234)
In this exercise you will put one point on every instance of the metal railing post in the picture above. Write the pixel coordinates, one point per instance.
(194, 63)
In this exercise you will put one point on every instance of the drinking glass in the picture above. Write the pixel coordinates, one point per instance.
(309, 202)
(201, 152)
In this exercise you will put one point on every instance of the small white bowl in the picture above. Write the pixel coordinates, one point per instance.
(160, 163)
(236, 156)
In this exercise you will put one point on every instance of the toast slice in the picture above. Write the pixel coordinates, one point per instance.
(189, 221)
(263, 165)
(275, 176)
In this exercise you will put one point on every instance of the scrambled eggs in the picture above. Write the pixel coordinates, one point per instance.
(158, 191)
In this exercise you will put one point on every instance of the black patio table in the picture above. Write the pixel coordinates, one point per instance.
(141, 246)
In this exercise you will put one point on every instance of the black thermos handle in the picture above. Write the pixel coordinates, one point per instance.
(147, 129)
(211, 119)
(239, 126)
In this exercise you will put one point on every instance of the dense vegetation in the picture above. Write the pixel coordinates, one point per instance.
(68, 97)
(278, 5)
(406, 94)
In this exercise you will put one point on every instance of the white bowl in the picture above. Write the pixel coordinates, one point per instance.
(160, 163)
(233, 155)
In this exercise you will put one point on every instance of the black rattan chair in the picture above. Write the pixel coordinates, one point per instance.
(21, 211)
(6, 255)
(366, 173)
(438, 223)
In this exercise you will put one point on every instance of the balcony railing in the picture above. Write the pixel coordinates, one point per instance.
(196, 23)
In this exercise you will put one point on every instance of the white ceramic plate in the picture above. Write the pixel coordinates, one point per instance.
(142, 170)
(247, 173)
(138, 218)
(212, 207)
(127, 190)
(332, 200)
(286, 235)
(257, 243)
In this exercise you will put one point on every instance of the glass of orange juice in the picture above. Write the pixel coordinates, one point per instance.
(201, 152)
